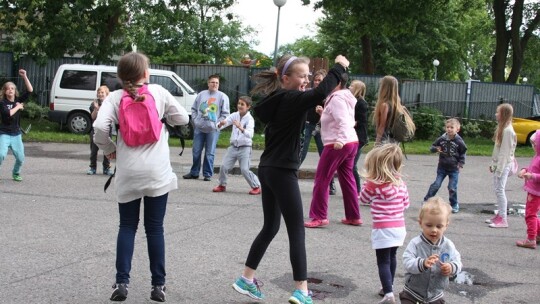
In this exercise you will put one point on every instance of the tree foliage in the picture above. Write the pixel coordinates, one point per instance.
(168, 31)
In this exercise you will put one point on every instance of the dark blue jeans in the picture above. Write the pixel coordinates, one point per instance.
(154, 212)
(453, 177)
(386, 262)
(308, 130)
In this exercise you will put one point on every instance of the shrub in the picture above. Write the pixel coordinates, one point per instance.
(34, 111)
(470, 129)
(429, 123)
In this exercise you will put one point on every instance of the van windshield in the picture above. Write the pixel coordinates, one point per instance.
(184, 85)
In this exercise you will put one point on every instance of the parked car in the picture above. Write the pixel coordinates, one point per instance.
(75, 85)
(524, 129)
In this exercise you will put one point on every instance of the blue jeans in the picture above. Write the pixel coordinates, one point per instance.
(308, 130)
(357, 178)
(453, 177)
(208, 141)
(15, 143)
(154, 212)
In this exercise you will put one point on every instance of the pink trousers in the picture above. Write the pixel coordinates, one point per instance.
(531, 216)
(342, 161)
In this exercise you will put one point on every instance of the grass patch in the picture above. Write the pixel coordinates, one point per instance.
(46, 131)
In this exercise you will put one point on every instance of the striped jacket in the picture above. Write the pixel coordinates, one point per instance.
(388, 203)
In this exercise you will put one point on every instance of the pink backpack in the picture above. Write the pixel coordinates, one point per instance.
(139, 121)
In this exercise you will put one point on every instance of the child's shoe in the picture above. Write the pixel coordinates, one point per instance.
(493, 219)
(255, 191)
(526, 244)
(120, 292)
(17, 177)
(316, 223)
(538, 240)
(107, 171)
(250, 290)
(91, 171)
(388, 299)
(354, 222)
(298, 297)
(499, 223)
(158, 293)
(219, 188)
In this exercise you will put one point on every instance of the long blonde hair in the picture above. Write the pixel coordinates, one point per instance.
(388, 93)
(4, 89)
(383, 164)
(506, 111)
(358, 89)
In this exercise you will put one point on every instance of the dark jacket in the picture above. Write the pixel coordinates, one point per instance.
(284, 113)
(361, 117)
(452, 156)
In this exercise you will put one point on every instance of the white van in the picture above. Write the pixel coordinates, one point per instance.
(75, 87)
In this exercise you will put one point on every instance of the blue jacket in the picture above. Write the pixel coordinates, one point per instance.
(427, 285)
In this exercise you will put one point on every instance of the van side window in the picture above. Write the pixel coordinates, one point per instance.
(78, 80)
(167, 83)
(111, 81)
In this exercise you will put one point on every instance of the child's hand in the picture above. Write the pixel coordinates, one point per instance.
(446, 269)
(319, 109)
(19, 106)
(111, 156)
(430, 261)
(22, 73)
(439, 149)
(236, 123)
(527, 175)
(521, 172)
(338, 146)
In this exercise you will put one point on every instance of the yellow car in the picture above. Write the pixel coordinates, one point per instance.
(524, 129)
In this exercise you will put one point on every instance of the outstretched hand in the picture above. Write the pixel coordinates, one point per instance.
(342, 60)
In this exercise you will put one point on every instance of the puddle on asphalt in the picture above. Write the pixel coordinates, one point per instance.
(322, 285)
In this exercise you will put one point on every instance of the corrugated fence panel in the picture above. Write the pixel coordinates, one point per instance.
(6, 65)
(447, 97)
(486, 96)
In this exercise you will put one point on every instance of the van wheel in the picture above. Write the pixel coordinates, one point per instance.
(79, 123)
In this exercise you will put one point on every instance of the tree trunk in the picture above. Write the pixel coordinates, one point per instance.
(367, 56)
(498, 61)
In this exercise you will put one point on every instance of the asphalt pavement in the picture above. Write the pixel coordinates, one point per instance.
(58, 236)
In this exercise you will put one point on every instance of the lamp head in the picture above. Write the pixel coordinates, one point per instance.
(280, 3)
(436, 62)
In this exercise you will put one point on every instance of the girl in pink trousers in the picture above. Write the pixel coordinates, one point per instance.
(340, 147)
(531, 175)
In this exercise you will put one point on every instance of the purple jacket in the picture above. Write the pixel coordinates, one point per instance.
(337, 119)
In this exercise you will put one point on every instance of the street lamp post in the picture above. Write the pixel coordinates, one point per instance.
(436, 64)
(279, 4)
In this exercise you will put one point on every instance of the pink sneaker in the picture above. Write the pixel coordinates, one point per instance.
(493, 219)
(500, 223)
(316, 223)
(526, 244)
(356, 222)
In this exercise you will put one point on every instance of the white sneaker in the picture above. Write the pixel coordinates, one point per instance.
(388, 299)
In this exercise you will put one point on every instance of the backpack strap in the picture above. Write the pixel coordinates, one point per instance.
(108, 183)
(174, 130)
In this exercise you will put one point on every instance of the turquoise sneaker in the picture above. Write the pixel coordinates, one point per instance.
(250, 290)
(17, 178)
(299, 298)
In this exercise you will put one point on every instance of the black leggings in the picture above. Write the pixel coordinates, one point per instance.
(386, 262)
(281, 196)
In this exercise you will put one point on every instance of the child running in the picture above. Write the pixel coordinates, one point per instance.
(388, 197)
(284, 111)
(430, 258)
(240, 148)
(502, 161)
(452, 150)
(531, 175)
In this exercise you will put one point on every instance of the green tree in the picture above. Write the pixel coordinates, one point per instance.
(514, 26)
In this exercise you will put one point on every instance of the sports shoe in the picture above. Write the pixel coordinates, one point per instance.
(538, 240)
(158, 293)
(91, 171)
(250, 290)
(120, 292)
(219, 188)
(388, 299)
(189, 176)
(493, 219)
(500, 223)
(17, 178)
(299, 298)
(316, 223)
(356, 222)
(255, 191)
(455, 209)
(207, 179)
(107, 171)
(526, 244)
